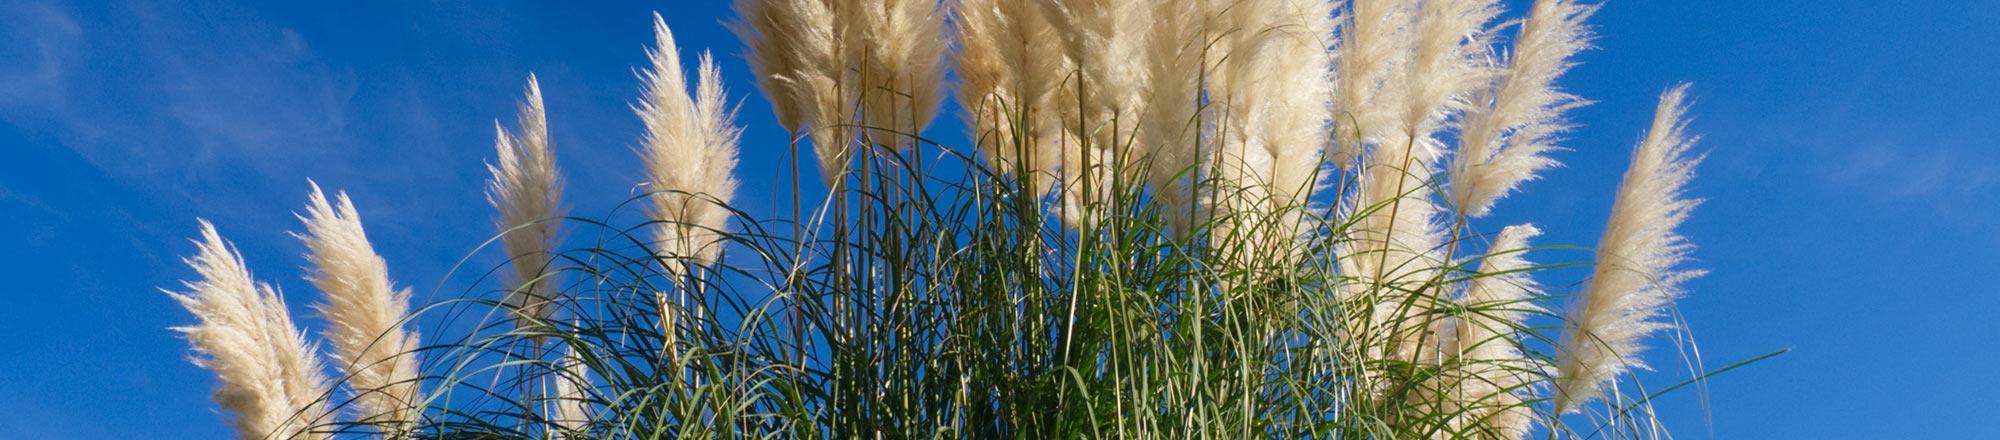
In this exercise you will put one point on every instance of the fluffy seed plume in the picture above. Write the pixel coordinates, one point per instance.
(1449, 63)
(900, 46)
(1493, 371)
(572, 400)
(797, 50)
(1397, 243)
(1275, 92)
(1009, 64)
(1398, 229)
(1636, 276)
(528, 195)
(1375, 45)
(1171, 125)
(270, 379)
(690, 151)
(364, 311)
(1104, 38)
(1295, 128)
(1507, 135)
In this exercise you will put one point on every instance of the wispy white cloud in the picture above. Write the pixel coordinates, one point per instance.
(152, 95)
(1888, 172)
(41, 43)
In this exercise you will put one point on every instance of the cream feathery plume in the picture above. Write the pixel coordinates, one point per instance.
(1103, 38)
(690, 149)
(1296, 128)
(1398, 243)
(1450, 61)
(1493, 371)
(1400, 229)
(365, 312)
(1500, 297)
(270, 379)
(1274, 93)
(797, 51)
(1636, 276)
(528, 195)
(986, 82)
(572, 400)
(1240, 92)
(900, 45)
(1375, 44)
(1505, 138)
(1009, 66)
(1171, 124)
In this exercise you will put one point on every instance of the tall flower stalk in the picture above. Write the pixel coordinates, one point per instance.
(527, 191)
(270, 379)
(797, 50)
(1273, 93)
(1637, 274)
(690, 149)
(1490, 389)
(900, 68)
(690, 155)
(1010, 68)
(1509, 131)
(365, 312)
(1108, 42)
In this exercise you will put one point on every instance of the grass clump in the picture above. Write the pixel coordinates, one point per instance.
(1172, 219)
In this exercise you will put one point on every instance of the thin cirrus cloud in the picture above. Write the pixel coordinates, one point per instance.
(1891, 172)
(147, 92)
(1945, 186)
(42, 42)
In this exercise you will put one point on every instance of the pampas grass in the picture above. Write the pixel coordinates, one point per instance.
(1010, 68)
(1637, 274)
(690, 153)
(1493, 393)
(271, 380)
(1270, 227)
(1272, 99)
(1374, 47)
(1506, 140)
(1169, 129)
(364, 312)
(1449, 62)
(1108, 42)
(527, 192)
(572, 395)
(797, 49)
(900, 50)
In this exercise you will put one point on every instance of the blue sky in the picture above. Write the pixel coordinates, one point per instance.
(1853, 180)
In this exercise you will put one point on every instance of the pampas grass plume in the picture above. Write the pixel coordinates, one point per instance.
(1506, 137)
(1107, 40)
(1375, 44)
(572, 399)
(1449, 61)
(270, 378)
(900, 45)
(1009, 66)
(364, 311)
(1296, 130)
(690, 150)
(527, 192)
(1636, 276)
(796, 49)
(1499, 302)
(1275, 91)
